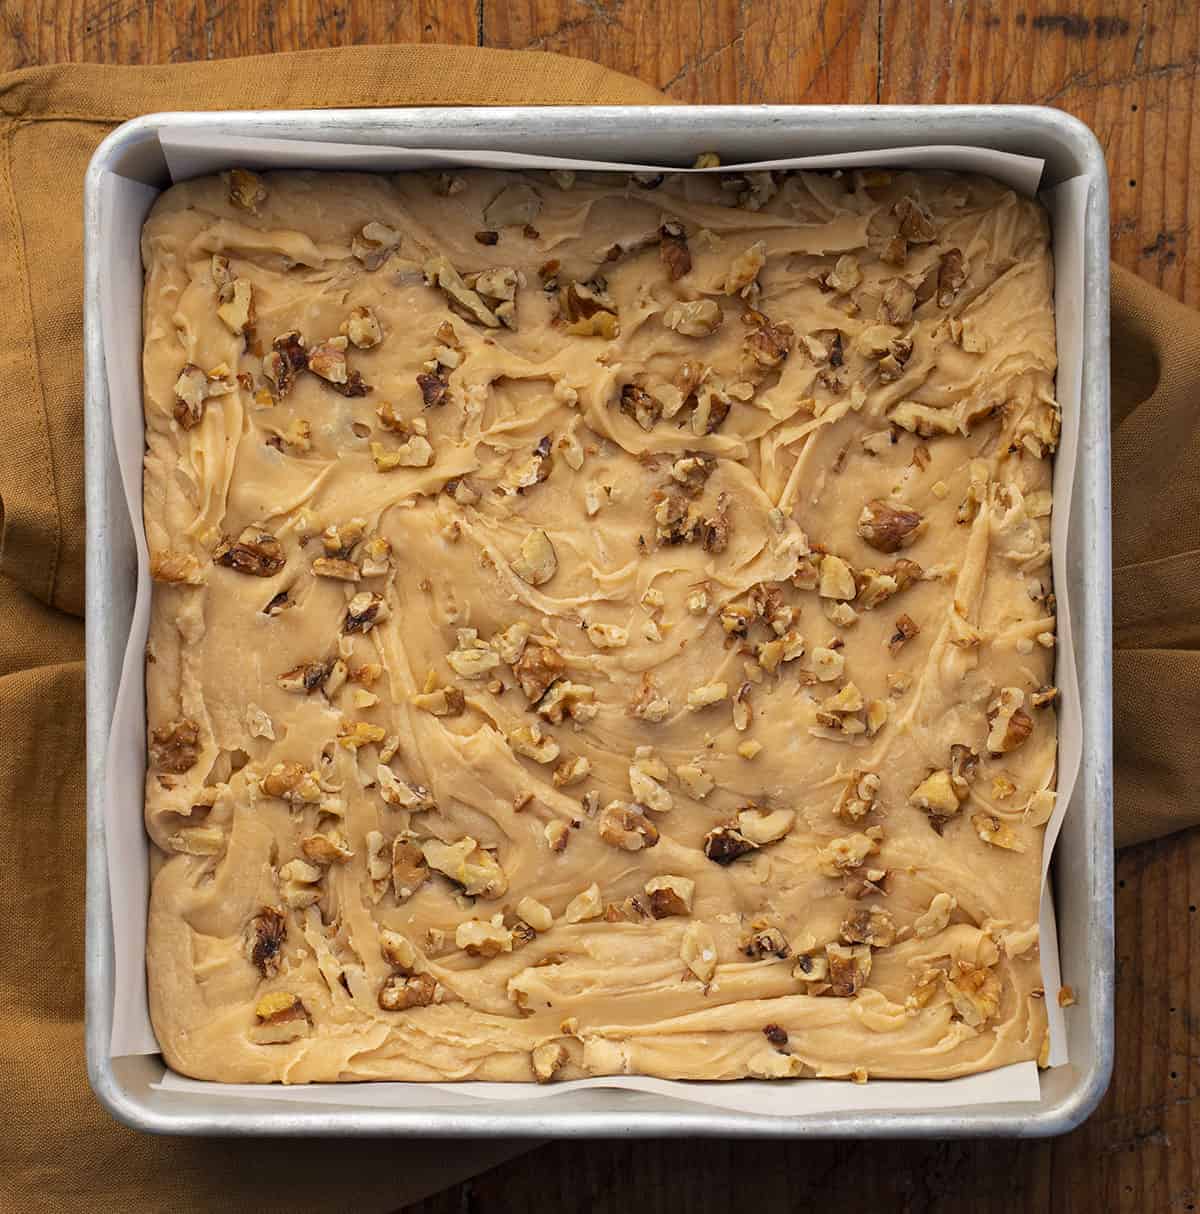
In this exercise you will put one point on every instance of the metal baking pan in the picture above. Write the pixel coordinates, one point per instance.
(1083, 862)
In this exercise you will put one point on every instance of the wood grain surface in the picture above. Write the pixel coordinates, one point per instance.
(1129, 68)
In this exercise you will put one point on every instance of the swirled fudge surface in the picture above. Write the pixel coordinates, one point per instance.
(601, 624)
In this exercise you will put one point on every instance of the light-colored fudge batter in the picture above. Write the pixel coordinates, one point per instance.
(600, 625)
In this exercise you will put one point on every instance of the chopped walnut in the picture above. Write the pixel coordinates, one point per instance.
(326, 848)
(696, 782)
(479, 938)
(627, 827)
(694, 318)
(744, 270)
(936, 918)
(761, 826)
(846, 853)
(670, 895)
(198, 840)
(951, 275)
(175, 747)
(236, 308)
(467, 863)
(255, 552)
(1010, 725)
(399, 992)
(924, 420)
(300, 883)
(916, 223)
(889, 527)
(707, 695)
(409, 870)
(860, 796)
(827, 664)
(724, 844)
(608, 636)
(288, 357)
(547, 1060)
(292, 781)
(849, 968)
(869, 925)
(813, 970)
(537, 668)
(280, 1017)
(336, 568)
(572, 771)
(264, 937)
(472, 658)
(906, 629)
(441, 702)
(766, 942)
(246, 190)
(374, 244)
(533, 743)
(995, 831)
(837, 579)
(306, 678)
(699, 951)
(440, 273)
(650, 705)
(975, 993)
(584, 906)
(673, 250)
(765, 345)
(567, 700)
(536, 914)
(178, 568)
(397, 950)
(364, 611)
(937, 795)
(362, 327)
(194, 387)
(537, 561)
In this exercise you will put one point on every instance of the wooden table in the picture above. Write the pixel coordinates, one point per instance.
(1130, 69)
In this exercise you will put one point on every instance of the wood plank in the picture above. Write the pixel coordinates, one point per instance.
(174, 31)
(717, 51)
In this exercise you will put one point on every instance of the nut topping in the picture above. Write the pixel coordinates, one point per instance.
(175, 747)
(537, 562)
(673, 250)
(264, 938)
(399, 992)
(889, 527)
(280, 1017)
(627, 827)
(255, 552)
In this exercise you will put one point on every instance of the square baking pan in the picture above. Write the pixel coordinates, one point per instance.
(1083, 861)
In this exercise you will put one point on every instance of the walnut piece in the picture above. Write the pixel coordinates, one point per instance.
(537, 561)
(194, 387)
(547, 1060)
(467, 863)
(399, 992)
(936, 918)
(255, 552)
(627, 827)
(175, 747)
(280, 1017)
(409, 870)
(699, 951)
(849, 968)
(246, 190)
(888, 527)
(694, 318)
(362, 327)
(869, 925)
(673, 250)
(724, 844)
(264, 938)
(670, 895)
(1010, 725)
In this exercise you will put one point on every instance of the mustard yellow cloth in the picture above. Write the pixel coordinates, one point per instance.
(58, 1147)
